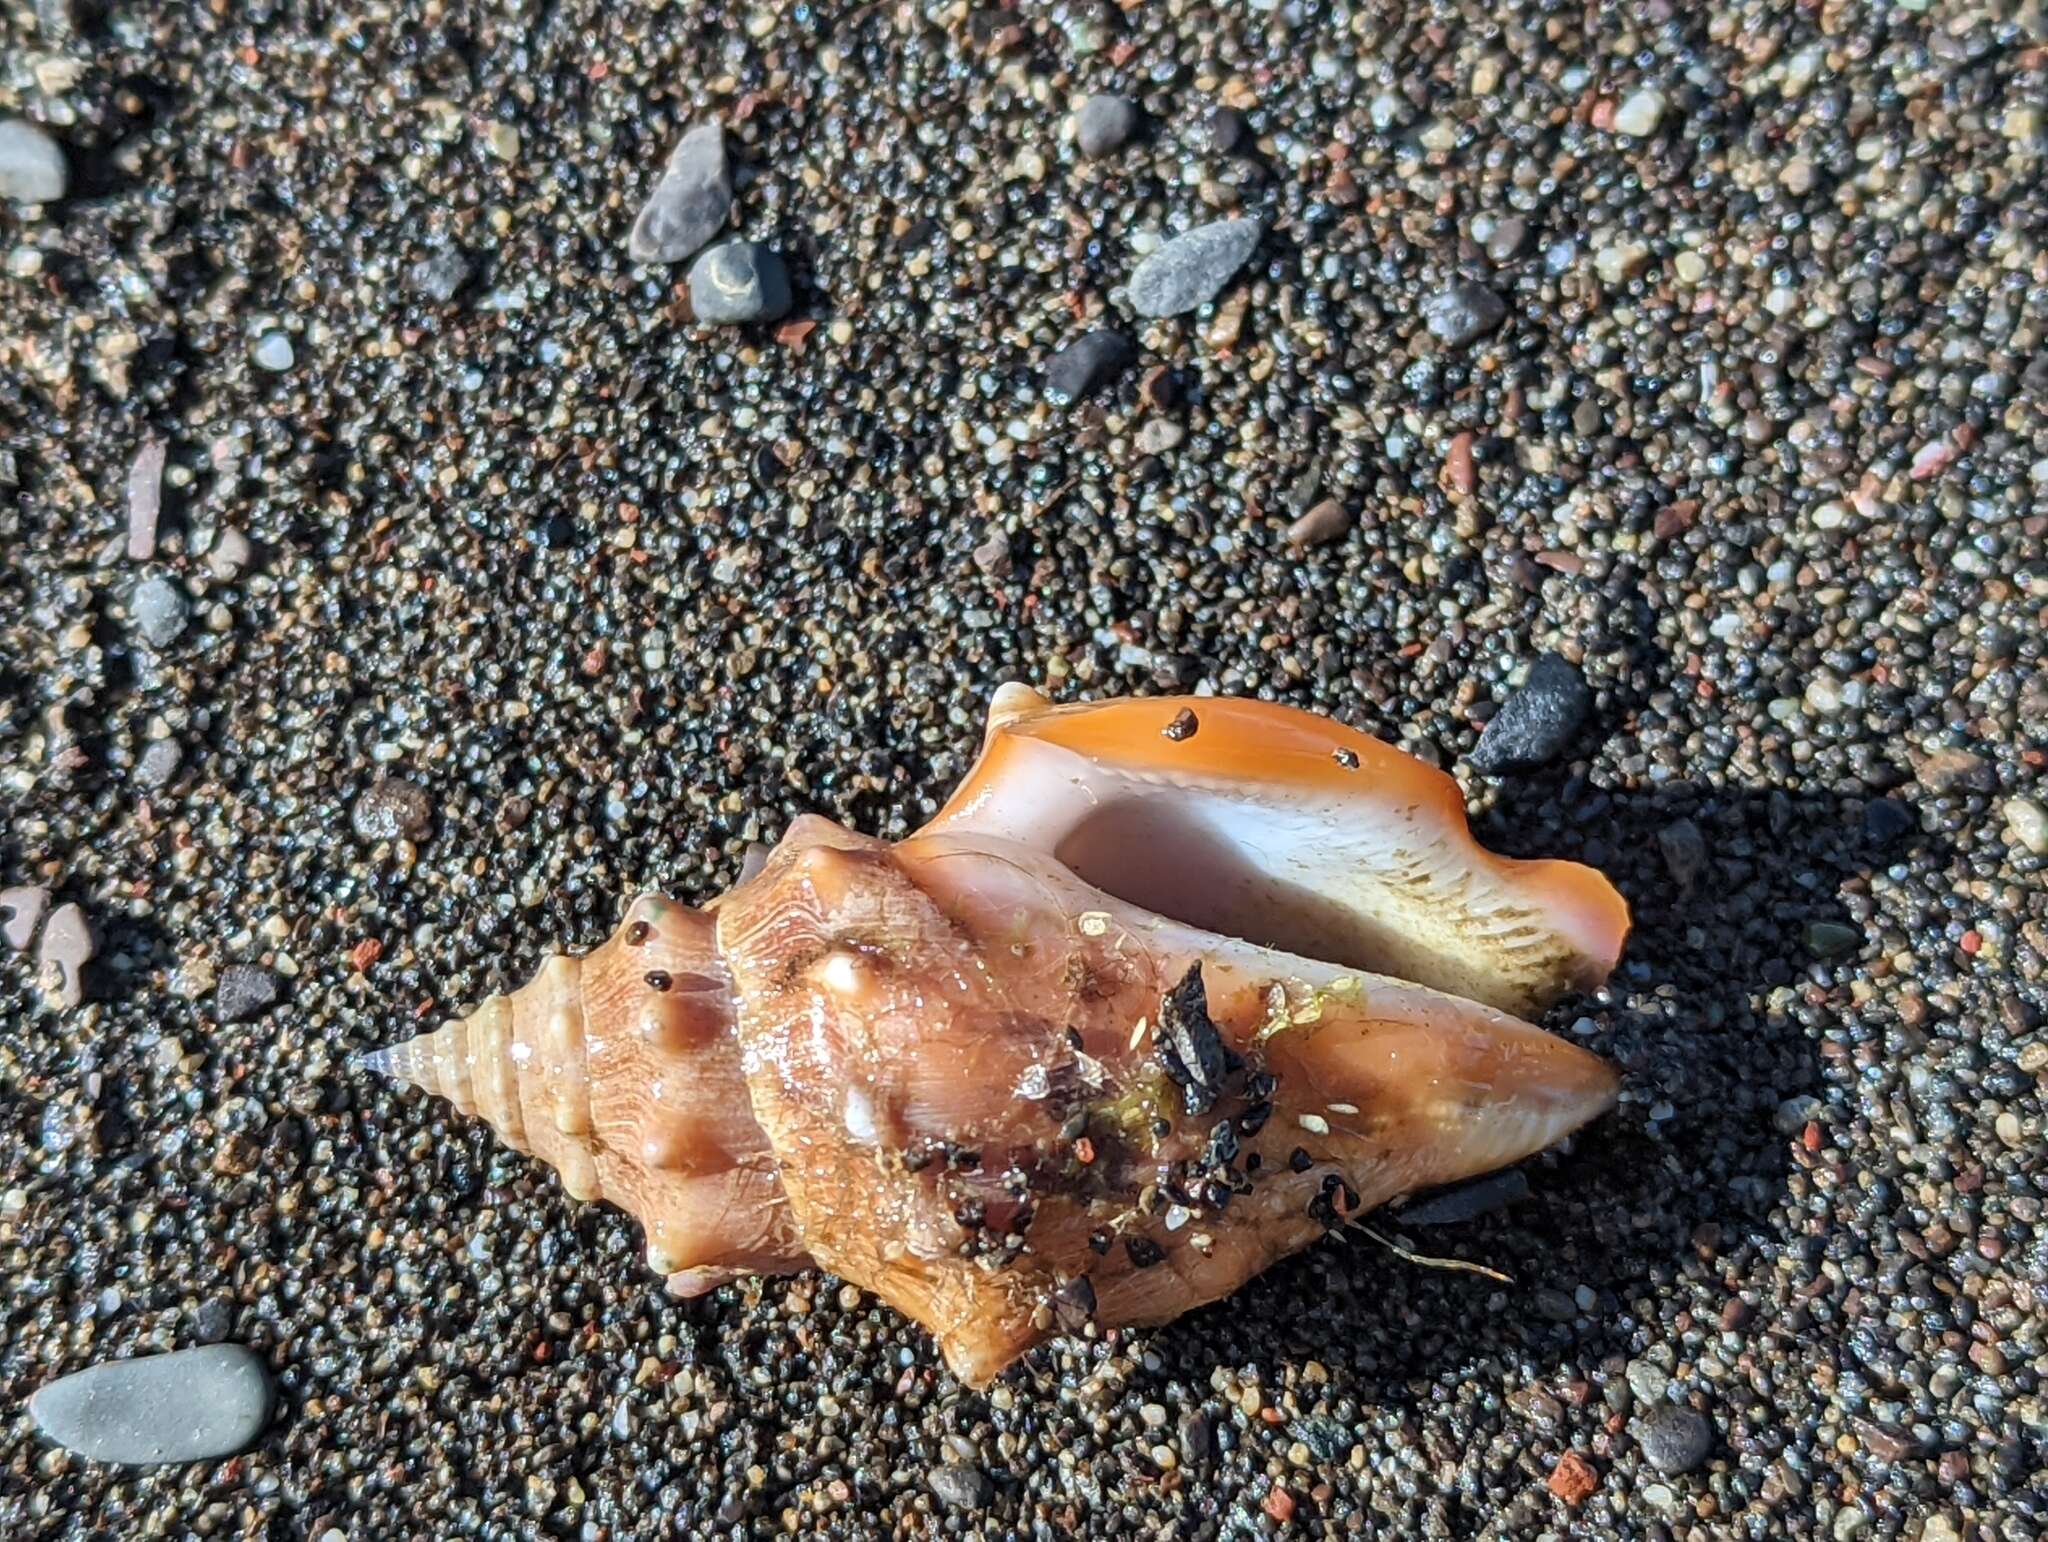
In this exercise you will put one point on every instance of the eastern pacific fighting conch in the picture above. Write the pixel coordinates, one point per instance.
(1169, 989)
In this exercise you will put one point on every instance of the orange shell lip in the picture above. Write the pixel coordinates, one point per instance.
(1281, 826)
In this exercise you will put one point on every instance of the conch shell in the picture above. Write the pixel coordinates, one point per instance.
(1168, 989)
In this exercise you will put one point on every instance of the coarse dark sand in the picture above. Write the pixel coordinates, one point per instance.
(585, 597)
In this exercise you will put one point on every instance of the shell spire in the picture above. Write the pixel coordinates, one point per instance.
(620, 1071)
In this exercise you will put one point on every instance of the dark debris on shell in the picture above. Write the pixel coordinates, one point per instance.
(1821, 270)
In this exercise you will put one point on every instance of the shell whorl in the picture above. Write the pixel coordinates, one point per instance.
(620, 1070)
(520, 1062)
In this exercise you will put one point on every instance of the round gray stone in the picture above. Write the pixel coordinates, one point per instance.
(1463, 313)
(1674, 1439)
(689, 204)
(160, 611)
(1103, 122)
(191, 1406)
(32, 168)
(737, 282)
(1191, 269)
(159, 763)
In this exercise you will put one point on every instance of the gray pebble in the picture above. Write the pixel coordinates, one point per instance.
(1104, 122)
(959, 1487)
(1229, 131)
(191, 1406)
(1087, 364)
(389, 808)
(690, 203)
(440, 276)
(160, 611)
(1505, 243)
(1646, 1379)
(21, 912)
(1554, 1304)
(214, 1319)
(245, 991)
(1684, 849)
(32, 168)
(1191, 269)
(1462, 313)
(274, 352)
(159, 763)
(68, 945)
(738, 282)
(1535, 725)
(1674, 1439)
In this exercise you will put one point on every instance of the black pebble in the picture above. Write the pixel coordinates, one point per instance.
(1190, 1049)
(1535, 725)
(1886, 820)
(1467, 1201)
(1087, 364)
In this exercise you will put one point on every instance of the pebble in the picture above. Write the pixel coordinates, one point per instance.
(1463, 313)
(274, 352)
(159, 764)
(1831, 939)
(68, 945)
(1793, 1114)
(1229, 131)
(1104, 122)
(1087, 364)
(160, 611)
(960, 1487)
(737, 282)
(689, 205)
(439, 276)
(245, 991)
(1684, 850)
(21, 912)
(192, 1405)
(1538, 722)
(1647, 1380)
(1190, 270)
(145, 499)
(1320, 524)
(1468, 1201)
(1674, 1439)
(389, 808)
(1639, 113)
(1885, 820)
(992, 555)
(1949, 771)
(32, 168)
(1159, 435)
(2029, 822)
(229, 553)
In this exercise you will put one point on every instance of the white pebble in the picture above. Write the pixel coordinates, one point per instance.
(1638, 115)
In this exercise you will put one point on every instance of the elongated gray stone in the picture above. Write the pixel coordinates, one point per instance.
(190, 1406)
(689, 204)
(1191, 269)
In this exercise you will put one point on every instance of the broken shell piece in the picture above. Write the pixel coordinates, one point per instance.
(916, 1065)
